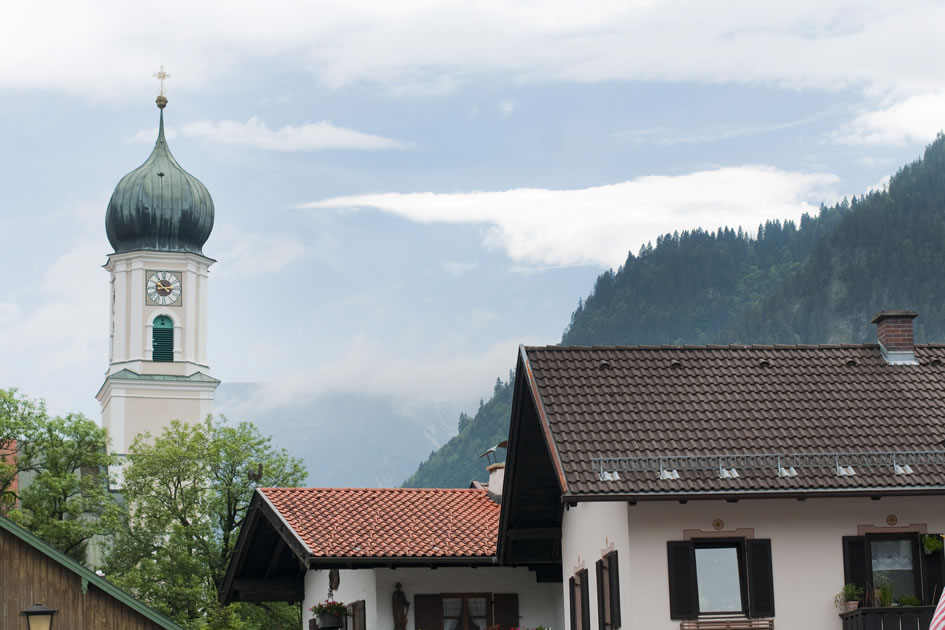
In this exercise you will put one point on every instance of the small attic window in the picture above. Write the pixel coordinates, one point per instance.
(675, 364)
(852, 363)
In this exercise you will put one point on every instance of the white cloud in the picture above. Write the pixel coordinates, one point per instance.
(371, 366)
(433, 46)
(252, 254)
(457, 268)
(599, 225)
(916, 119)
(256, 134)
(668, 137)
(305, 137)
(506, 107)
(881, 185)
(149, 136)
(871, 162)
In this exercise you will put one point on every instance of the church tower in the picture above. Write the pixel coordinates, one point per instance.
(157, 221)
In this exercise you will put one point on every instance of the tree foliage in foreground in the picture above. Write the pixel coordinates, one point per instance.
(61, 462)
(187, 494)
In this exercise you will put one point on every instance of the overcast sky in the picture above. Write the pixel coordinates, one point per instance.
(405, 191)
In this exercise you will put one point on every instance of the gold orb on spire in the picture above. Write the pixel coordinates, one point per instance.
(161, 99)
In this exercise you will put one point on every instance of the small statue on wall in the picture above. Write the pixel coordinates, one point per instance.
(399, 606)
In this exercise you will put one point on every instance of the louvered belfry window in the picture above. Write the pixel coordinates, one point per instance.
(162, 340)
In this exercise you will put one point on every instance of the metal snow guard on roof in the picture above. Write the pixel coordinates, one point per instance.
(776, 461)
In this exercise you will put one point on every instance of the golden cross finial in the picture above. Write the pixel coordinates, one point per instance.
(161, 75)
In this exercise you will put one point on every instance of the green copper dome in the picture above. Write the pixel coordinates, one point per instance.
(159, 206)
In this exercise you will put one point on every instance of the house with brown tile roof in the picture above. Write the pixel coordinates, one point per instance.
(731, 486)
(433, 548)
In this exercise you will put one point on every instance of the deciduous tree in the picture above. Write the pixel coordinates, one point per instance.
(187, 492)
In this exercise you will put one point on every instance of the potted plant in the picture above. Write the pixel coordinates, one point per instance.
(849, 598)
(883, 593)
(931, 544)
(908, 600)
(329, 614)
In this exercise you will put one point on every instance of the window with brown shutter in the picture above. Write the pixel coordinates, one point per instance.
(720, 576)
(465, 611)
(608, 592)
(580, 608)
(356, 616)
(427, 612)
(505, 610)
(898, 559)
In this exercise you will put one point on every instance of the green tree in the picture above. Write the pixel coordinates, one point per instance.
(187, 493)
(19, 416)
(61, 464)
(67, 501)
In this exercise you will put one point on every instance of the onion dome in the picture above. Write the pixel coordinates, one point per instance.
(159, 206)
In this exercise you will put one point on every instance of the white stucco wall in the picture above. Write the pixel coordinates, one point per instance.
(539, 604)
(353, 585)
(806, 548)
(588, 532)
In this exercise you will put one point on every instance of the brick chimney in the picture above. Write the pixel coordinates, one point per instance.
(894, 330)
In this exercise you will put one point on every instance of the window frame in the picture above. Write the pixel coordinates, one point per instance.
(580, 601)
(756, 577)
(464, 606)
(916, 543)
(724, 543)
(608, 592)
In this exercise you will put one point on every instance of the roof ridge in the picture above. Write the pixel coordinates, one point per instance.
(731, 346)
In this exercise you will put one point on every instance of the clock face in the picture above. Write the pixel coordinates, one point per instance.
(164, 288)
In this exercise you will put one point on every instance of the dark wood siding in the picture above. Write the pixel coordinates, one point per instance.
(28, 576)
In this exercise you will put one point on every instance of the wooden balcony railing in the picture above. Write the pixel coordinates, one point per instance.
(729, 624)
(892, 618)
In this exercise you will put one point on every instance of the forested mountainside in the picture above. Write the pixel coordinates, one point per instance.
(819, 281)
(457, 462)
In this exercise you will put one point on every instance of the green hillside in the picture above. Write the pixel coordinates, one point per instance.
(815, 282)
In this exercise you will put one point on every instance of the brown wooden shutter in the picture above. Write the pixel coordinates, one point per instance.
(427, 612)
(601, 611)
(505, 607)
(357, 617)
(683, 591)
(572, 589)
(933, 573)
(856, 564)
(614, 577)
(585, 601)
(760, 578)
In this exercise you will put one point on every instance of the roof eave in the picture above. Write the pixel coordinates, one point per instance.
(717, 495)
(543, 418)
(366, 562)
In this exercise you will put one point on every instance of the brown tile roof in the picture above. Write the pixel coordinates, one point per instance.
(715, 400)
(390, 522)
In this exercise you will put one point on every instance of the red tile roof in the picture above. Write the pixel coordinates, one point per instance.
(390, 522)
(728, 400)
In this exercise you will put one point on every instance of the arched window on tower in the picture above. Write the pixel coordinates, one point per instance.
(162, 339)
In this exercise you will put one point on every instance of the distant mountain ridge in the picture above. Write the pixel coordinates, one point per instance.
(818, 281)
